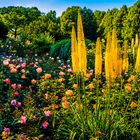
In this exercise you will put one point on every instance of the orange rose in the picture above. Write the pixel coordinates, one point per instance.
(61, 80)
(23, 77)
(75, 86)
(127, 87)
(65, 105)
(133, 105)
(90, 86)
(39, 70)
(33, 81)
(131, 78)
(47, 76)
(94, 106)
(12, 66)
(61, 73)
(88, 75)
(69, 92)
(64, 98)
(13, 70)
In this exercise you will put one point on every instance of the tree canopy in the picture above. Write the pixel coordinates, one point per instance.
(33, 22)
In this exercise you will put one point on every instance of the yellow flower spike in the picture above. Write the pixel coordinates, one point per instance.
(98, 58)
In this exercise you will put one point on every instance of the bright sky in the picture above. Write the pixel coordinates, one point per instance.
(61, 5)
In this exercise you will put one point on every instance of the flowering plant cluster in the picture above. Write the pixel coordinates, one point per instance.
(41, 98)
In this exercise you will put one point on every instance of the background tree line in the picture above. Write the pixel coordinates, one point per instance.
(46, 28)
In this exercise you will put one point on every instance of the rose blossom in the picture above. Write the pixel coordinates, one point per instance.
(13, 102)
(14, 86)
(45, 124)
(23, 120)
(23, 70)
(23, 65)
(16, 94)
(18, 104)
(48, 113)
(19, 86)
(22, 137)
(6, 129)
(69, 70)
(5, 62)
(7, 81)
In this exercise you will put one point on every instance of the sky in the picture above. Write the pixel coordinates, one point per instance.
(61, 5)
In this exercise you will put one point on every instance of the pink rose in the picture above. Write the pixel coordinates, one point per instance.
(23, 70)
(18, 66)
(19, 86)
(23, 120)
(61, 73)
(69, 70)
(6, 129)
(45, 124)
(48, 113)
(31, 63)
(7, 81)
(14, 86)
(13, 102)
(23, 65)
(6, 132)
(18, 104)
(64, 66)
(16, 94)
(22, 137)
(5, 62)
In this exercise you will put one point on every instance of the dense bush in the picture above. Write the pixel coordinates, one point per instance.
(62, 48)
(3, 30)
(41, 43)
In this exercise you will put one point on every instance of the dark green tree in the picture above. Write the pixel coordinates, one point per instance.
(3, 30)
(69, 17)
(14, 22)
(131, 25)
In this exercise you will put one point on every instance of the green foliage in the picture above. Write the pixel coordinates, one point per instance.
(41, 43)
(131, 23)
(99, 23)
(62, 48)
(92, 109)
(3, 31)
(109, 118)
(14, 22)
(69, 17)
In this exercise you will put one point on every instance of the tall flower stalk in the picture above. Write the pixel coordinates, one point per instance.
(113, 57)
(74, 51)
(78, 48)
(82, 53)
(107, 57)
(125, 58)
(137, 65)
(98, 58)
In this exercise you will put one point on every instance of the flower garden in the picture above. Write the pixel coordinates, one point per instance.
(46, 98)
